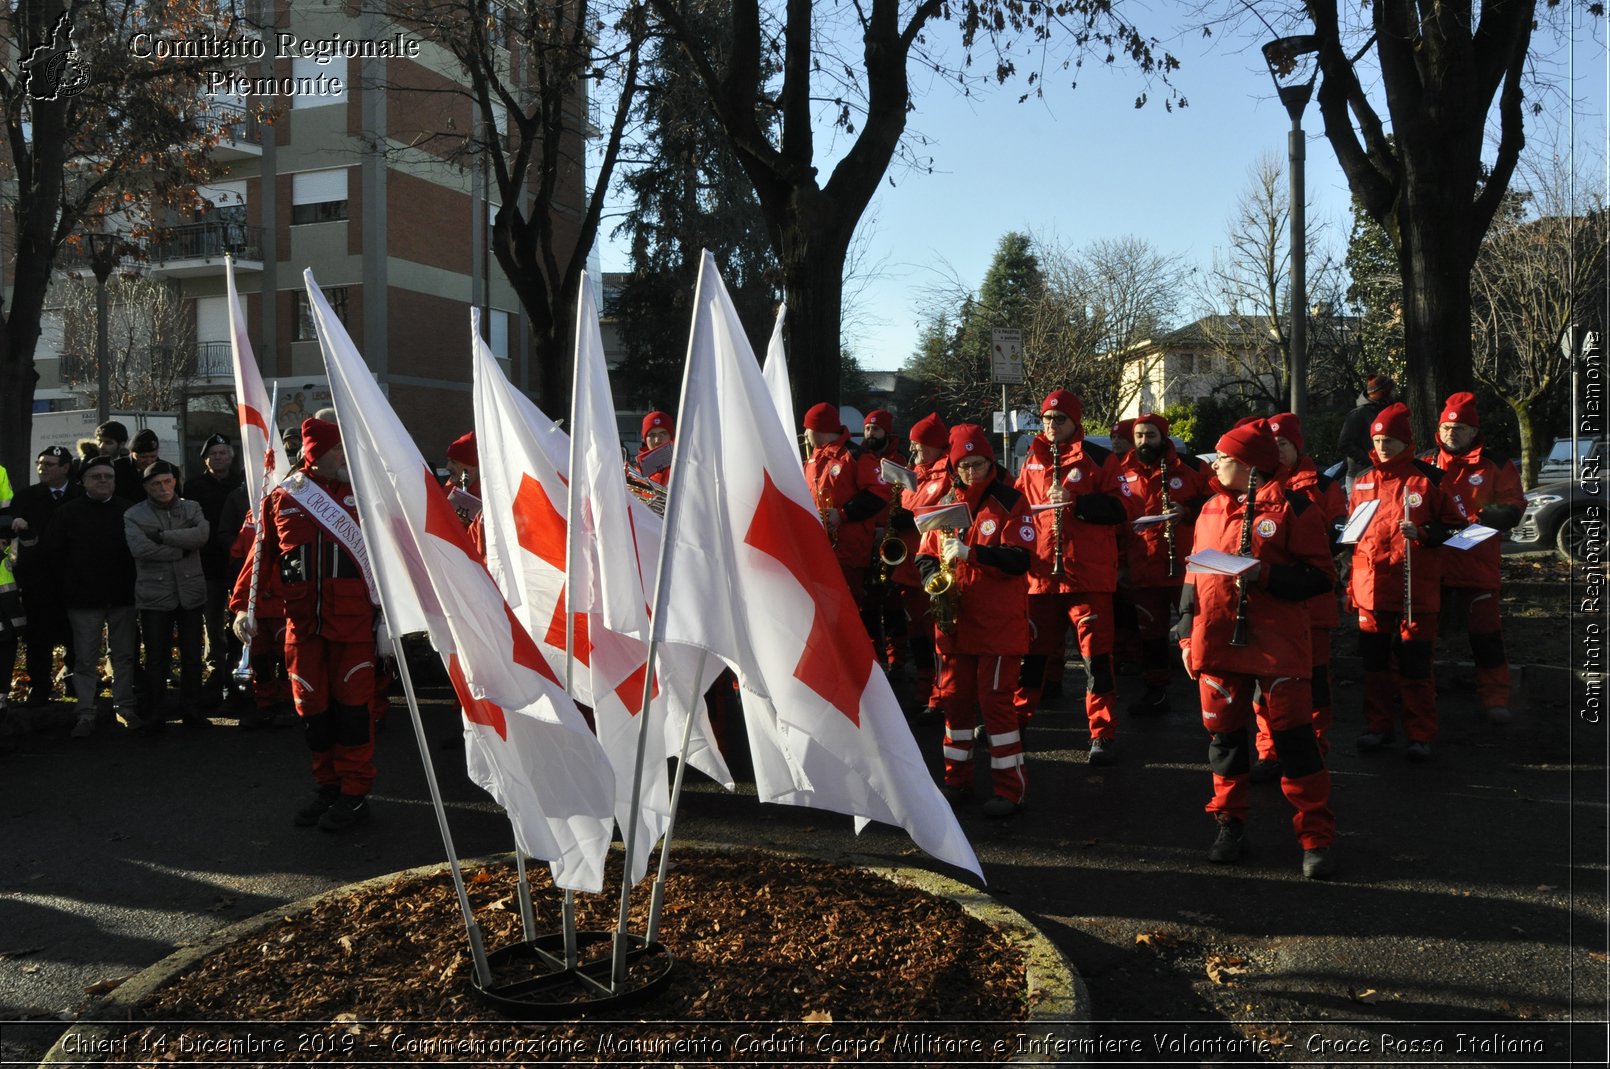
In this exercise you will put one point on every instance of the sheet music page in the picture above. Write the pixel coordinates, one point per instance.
(1358, 521)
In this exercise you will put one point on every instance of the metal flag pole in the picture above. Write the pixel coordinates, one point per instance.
(617, 975)
(483, 971)
(528, 915)
(657, 899)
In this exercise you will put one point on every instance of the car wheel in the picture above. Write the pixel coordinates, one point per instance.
(1574, 534)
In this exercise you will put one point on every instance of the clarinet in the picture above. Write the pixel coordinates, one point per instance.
(1408, 568)
(1239, 637)
(1056, 514)
(1168, 525)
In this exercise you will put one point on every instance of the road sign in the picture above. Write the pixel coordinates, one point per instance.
(1006, 356)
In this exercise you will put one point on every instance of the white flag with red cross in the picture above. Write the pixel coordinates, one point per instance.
(526, 743)
(255, 415)
(748, 576)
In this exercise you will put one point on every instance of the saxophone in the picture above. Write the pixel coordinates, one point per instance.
(1239, 637)
(1168, 524)
(891, 551)
(940, 587)
(1056, 514)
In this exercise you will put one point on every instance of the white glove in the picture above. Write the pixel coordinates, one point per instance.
(245, 627)
(953, 549)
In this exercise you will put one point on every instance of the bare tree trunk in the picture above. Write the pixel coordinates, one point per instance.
(1436, 316)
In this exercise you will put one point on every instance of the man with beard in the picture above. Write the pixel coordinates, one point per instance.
(311, 537)
(210, 490)
(1075, 569)
(1157, 481)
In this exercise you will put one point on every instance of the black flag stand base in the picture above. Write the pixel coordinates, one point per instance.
(529, 981)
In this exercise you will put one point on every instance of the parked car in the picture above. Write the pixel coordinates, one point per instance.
(1565, 515)
(1557, 465)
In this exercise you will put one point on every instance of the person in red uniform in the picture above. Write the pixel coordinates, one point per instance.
(653, 457)
(847, 505)
(885, 615)
(1269, 651)
(267, 657)
(1154, 555)
(1298, 474)
(930, 447)
(1075, 569)
(1413, 517)
(988, 562)
(1486, 488)
(329, 638)
(1126, 624)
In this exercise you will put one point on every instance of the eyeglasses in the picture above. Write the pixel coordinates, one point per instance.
(973, 465)
(1055, 417)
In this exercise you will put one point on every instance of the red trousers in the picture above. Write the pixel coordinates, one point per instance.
(268, 658)
(984, 681)
(1090, 615)
(332, 684)
(1476, 609)
(1154, 615)
(1398, 668)
(1319, 687)
(1304, 779)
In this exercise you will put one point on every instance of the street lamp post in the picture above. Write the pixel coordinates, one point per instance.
(1293, 66)
(102, 258)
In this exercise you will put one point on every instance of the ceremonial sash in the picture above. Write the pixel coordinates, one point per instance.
(336, 521)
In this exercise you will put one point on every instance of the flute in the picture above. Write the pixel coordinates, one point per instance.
(1239, 636)
(1056, 514)
(1168, 524)
(1408, 566)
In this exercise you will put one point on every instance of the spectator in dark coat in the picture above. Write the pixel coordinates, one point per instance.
(210, 490)
(85, 545)
(1354, 440)
(28, 519)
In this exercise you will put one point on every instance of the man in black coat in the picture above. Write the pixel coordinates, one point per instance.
(28, 518)
(210, 490)
(1354, 440)
(85, 545)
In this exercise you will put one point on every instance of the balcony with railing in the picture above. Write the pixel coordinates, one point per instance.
(202, 363)
(213, 361)
(240, 135)
(193, 250)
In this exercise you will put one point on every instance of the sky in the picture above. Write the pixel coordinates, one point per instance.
(1085, 164)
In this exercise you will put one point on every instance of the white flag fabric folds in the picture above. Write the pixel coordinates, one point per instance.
(258, 434)
(526, 743)
(525, 490)
(777, 382)
(748, 576)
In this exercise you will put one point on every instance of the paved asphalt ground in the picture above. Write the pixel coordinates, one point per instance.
(1470, 900)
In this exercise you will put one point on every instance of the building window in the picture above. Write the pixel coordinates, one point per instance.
(319, 196)
(304, 331)
(307, 70)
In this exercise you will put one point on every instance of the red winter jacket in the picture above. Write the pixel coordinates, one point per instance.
(1327, 496)
(323, 589)
(833, 474)
(1089, 523)
(1146, 551)
(1486, 488)
(991, 591)
(933, 480)
(1288, 537)
(1376, 582)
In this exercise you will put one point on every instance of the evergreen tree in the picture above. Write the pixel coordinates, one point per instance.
(689, 194)
(1376, 292)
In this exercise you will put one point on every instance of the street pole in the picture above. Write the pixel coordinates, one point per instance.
(1299, 271)
(102, 258)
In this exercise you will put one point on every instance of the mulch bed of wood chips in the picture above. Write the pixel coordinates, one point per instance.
(822, 962)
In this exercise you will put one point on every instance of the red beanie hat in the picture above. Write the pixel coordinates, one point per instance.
(930, 431)
(1287, 426)
(660, 420)
(1061, 401)
(1393, 421)
(1252, 444)
(878, 417)
(463, 451)
(1461, 408)
(318, 436)
(1125, 429)
(823, 417)
(969, 440)
(1150, 417)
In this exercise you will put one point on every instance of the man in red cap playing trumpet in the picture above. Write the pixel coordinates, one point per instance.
(1486, 488)
(311, 539)
(1251, 631)
(986, 564)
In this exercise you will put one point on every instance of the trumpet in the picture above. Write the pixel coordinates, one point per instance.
(650, 492)
(942, 584)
